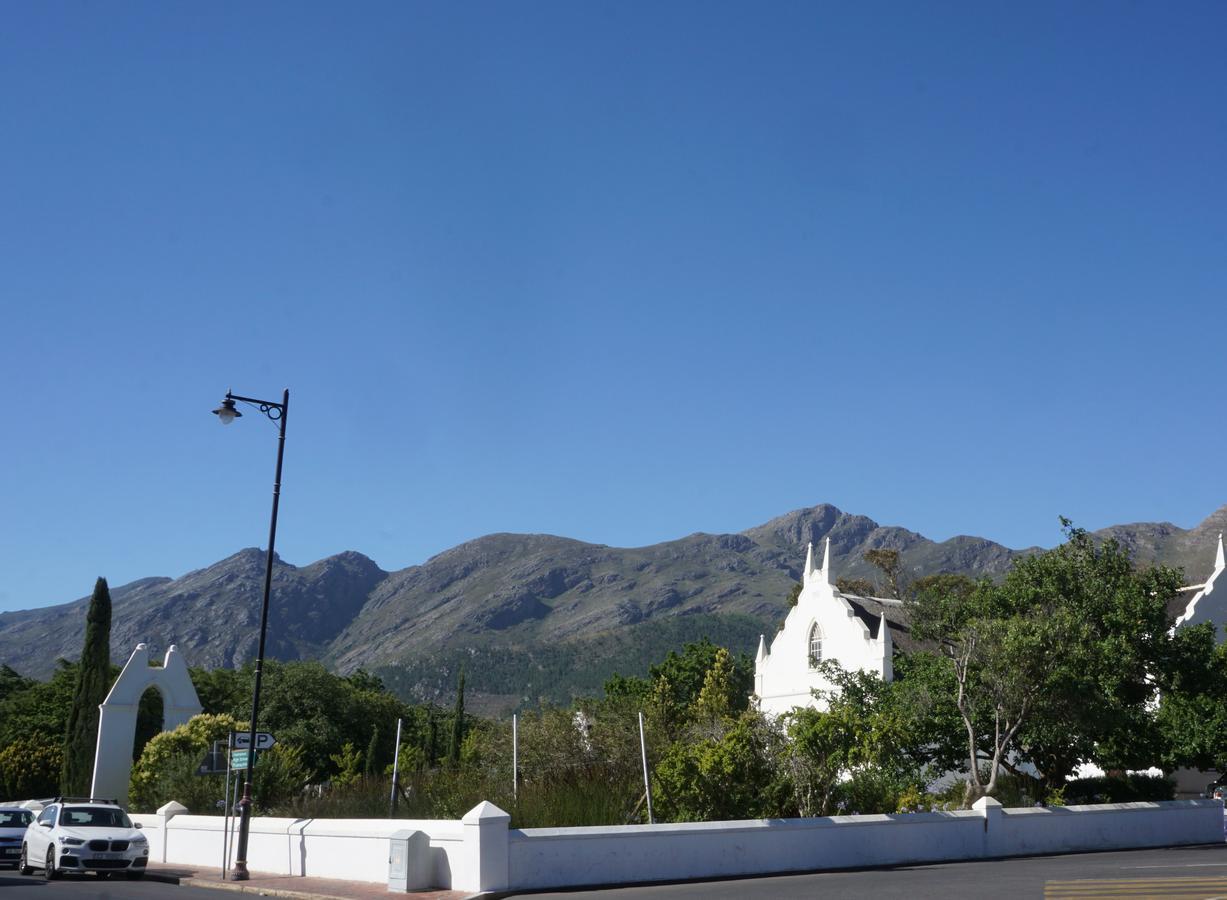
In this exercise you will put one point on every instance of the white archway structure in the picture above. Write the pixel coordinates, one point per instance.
(117, 722)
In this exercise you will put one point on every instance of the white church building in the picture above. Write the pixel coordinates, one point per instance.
(826, 624)
(1206, 605)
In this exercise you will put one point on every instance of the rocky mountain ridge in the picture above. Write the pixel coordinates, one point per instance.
(532, 616)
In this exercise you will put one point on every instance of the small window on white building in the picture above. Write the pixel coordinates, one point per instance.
(815, 646)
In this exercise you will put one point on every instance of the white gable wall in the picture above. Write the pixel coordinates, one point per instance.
(1206, 605)
(783, 677)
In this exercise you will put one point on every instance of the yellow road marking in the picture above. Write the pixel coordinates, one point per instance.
(1173, 888)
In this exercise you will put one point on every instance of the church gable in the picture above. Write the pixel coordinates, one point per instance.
(1209, 604)
(823, 626)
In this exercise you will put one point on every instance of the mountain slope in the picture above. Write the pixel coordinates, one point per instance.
(531, 616)
(213, 614)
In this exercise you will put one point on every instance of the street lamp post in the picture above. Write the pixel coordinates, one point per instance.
(276, 412)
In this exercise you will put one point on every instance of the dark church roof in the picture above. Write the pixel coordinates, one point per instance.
(869, 610)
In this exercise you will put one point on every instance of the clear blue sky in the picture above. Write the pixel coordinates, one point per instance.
(617, 271)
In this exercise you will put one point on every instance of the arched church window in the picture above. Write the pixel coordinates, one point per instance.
(815, 646)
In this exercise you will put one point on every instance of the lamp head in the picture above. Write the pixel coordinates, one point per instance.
(226, 413)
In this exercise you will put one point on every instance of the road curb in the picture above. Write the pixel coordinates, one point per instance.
(256, 889)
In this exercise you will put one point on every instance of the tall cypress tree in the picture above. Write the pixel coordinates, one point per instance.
(453, 750)
(93, 681)
(372, 750)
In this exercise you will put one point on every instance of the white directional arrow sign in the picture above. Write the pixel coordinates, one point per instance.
(264, 740)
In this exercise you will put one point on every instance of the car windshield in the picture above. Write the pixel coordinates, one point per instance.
(15, 818)
(94, 817)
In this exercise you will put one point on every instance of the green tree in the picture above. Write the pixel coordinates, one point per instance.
(732, 776)
(887, 562)
(686, 672)
(348, 765)
(1192, 714)
(372, 753)
(922, 697)
(307, 706)
(222, 690)
(860, 587)
(281, 775)
(93, 682)
(40, 707)
(721, 693)
(942, 583)
(620, 687)
(865, 729)
(11, 682)
(1056, 664)
(457, 734)
(166, 769)
(30, 767)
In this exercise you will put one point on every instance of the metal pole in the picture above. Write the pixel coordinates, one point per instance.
(234, 802)
(395, 772)
(515, 756)
(647, 785)
(226, 807)
(240, 861)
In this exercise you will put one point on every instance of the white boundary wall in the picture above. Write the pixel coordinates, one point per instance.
(480, 852)
(557, 857)
(352, 849)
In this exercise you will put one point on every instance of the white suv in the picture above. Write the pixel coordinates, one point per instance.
(72, 835)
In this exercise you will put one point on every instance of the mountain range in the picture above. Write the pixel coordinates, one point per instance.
(531, 617)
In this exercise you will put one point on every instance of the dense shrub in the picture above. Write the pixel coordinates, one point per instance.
(731, 776)
(1119, 789)
(166, 769)
(30, 768)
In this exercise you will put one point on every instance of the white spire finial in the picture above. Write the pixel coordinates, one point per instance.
(826, 563)
(1218, 556)
(762, 649)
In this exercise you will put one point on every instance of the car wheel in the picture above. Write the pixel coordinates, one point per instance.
(49, 871)
(24, 867)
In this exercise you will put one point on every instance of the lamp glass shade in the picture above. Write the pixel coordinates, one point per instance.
(226, 413)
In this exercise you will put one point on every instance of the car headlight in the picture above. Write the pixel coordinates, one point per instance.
(71, 842)
(140, 839)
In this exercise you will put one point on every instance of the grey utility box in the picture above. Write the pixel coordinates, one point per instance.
(409, 866)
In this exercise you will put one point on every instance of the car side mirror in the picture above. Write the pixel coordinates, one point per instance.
(136, 824)
(45, 824)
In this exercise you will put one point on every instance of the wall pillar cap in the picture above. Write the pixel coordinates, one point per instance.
(485, 812)
(172, 809)
(986, 803)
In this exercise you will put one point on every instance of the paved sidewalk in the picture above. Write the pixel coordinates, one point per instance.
(301, 886)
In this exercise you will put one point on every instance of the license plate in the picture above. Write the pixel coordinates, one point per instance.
(12, 851)
(107, 855)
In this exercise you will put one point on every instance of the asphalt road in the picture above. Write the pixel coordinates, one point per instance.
(87, 887)
(1191, 873)
(1187, 873)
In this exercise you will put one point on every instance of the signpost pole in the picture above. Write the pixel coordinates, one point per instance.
(234, 801)
(395, 772)
(515, 756)
(647, 785)
(226, 806)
